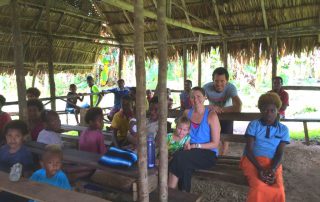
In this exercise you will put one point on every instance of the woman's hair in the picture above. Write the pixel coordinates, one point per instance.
(92, 114)
(72, 86)
(52, 150)
(269, 98)
(34, 91)
(18, 125)
(35, 103)
(183, 120)
(199, 89)
(45, 114)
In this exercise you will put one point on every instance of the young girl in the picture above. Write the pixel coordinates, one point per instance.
(71, 106)
(35, 125)
(52, 123)
(92, 139)
(180, 137)
(51, 172)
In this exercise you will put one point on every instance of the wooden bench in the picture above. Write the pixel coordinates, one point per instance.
(112, 176)
(42, 192)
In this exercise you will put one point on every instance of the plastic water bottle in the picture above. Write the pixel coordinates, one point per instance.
(151, 150)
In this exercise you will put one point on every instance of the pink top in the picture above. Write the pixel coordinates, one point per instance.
(92, 141)
(4, 119)
(36, 130)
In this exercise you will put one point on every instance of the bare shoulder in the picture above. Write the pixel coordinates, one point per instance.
(212, 116)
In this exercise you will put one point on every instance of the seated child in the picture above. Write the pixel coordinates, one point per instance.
(92, 139)
(4, 118)
(51, 172)
(35, 125)
(120, 121)
(14, 151)
(33, 93)
(52, 125)
(71, 105)
(180, 137)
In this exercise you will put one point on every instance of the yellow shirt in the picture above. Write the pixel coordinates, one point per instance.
(120, 122)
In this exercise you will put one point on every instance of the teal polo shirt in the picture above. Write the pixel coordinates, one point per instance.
(267, 137)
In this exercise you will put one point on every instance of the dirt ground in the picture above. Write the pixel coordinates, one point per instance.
(301, 173)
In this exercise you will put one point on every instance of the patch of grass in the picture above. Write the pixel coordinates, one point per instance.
(299, 135)
(72, 133)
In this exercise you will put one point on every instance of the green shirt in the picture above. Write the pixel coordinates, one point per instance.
(95, 98)
(174, 146)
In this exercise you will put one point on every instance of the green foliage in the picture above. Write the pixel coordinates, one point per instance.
(299, 135)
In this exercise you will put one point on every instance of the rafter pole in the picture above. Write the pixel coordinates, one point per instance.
(128, 19)
(18, 59)
(199, 60)
(265, 22)
(186, 13)
(99, 11)
(60, 22)
(216, 11)
(129, 7)
(225, 54)
(169, 8)
(274, 56)
(185, 64)
(120, 62)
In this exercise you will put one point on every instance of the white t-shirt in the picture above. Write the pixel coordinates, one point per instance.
(49, 137)
(221, 99)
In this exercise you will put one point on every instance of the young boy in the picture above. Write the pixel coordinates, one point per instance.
(50, 135)
(51, 172)
(180, 137)
(33, 93)
(73, 97)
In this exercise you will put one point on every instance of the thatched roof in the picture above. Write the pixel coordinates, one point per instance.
(78, 27)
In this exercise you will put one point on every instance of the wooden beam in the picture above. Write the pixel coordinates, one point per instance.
(45, 63)
(185, 65)
(186, 14)
(35, 72)
(140, 99)
(225, 54)
(315, 88)
(18, 56)
(120, 62)
(168, 8)
(265, 22)
(163, 105)
(216, 11)
(50, 57)
(199, 60)
(274, 56)
(129, 7)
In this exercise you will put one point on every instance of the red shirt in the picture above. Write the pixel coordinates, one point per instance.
(92, 141)
(4, 119)
(284, 97)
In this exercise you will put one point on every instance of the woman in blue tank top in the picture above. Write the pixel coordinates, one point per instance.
(202, 150)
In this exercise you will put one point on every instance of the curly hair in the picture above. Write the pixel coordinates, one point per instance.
(269, 98)
(92, 114)
(34, 91)
(17, 125)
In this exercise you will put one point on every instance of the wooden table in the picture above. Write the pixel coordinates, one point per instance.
(42, 192)
(90, 160)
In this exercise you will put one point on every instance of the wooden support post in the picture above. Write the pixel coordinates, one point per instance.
(50, 58)
(18, 55)
(185, 64)
(163, 105)
(306, 133)
(168, 9)
(199, 60)
(274, 56)
(265, 22)
(140, 99)
(120, 62)
(225, 54)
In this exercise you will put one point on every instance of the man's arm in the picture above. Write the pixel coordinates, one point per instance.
(236, 105)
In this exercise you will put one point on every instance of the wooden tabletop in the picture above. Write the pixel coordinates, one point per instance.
(42, 192)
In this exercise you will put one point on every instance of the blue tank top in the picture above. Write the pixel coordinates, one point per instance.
(201, 134)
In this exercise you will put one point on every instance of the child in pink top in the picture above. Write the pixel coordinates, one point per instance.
(92, 139)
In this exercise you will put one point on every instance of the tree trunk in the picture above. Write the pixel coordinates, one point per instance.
(140, 99)
(163, 105)
(18, 59)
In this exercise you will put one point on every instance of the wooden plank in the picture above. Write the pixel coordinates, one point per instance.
(315, 88)
(175, 196)
(42, 192)
(300, 120)
(233, 138)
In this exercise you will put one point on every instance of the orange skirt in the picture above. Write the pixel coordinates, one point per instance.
(258, 190)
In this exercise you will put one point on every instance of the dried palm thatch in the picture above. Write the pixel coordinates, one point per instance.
(80, 29)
